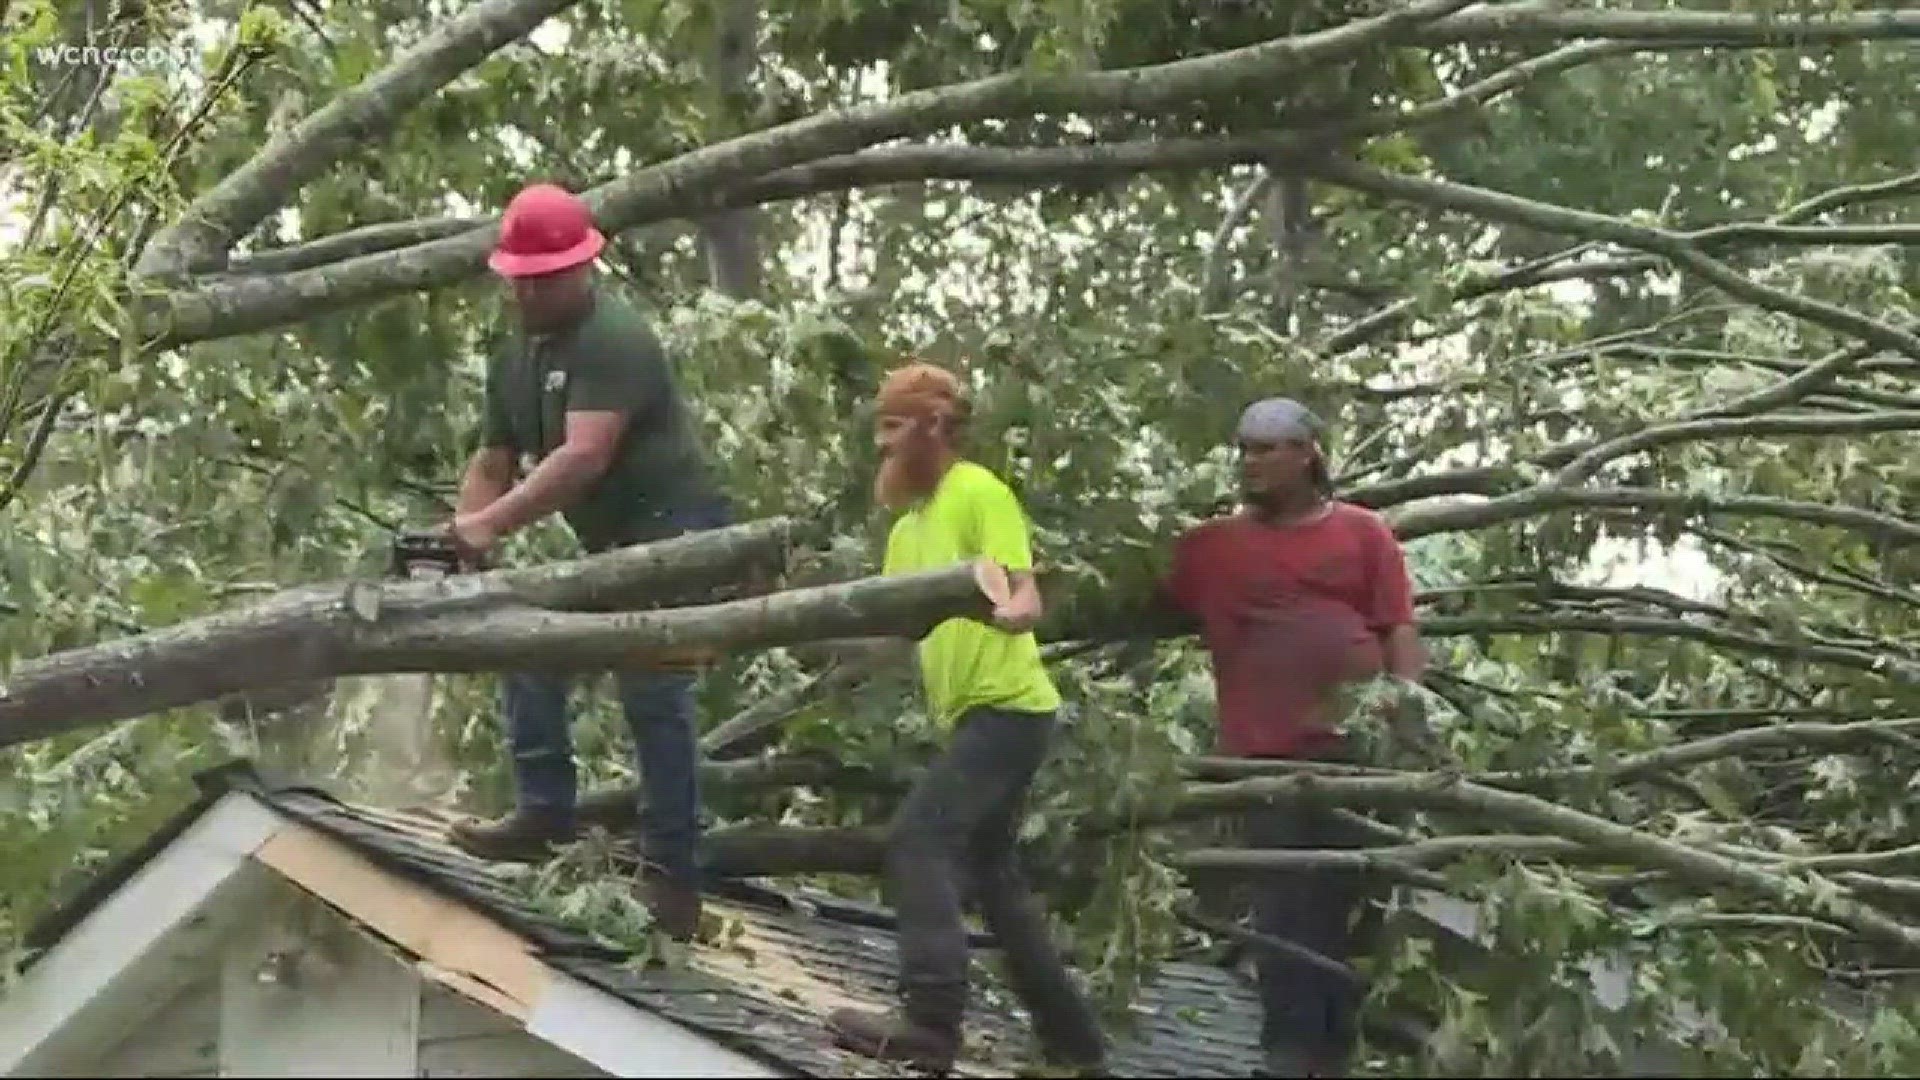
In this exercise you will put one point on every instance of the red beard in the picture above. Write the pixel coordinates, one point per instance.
(910, 473)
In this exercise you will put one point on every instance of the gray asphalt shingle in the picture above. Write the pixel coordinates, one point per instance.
(764, 988)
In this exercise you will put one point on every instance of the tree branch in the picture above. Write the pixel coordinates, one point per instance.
(246, 196)
(1852, 195)
(696, 183)
(1236, 214)
(752, 727)
(1425, 520)
(1554, 268)
(36, 446)
(1787, 881)
(989, 164)
(1740, 427)
(330, 630)
(1391, 859)
(1803, 893)
(868, 168)
(1799, 385)
(997, 164)
(1878, 663)
(1857, 583)
(338, 247)
(327, 635)
(1639, 766)
(705, 180)
(1514, 23)
(906, 605)
(1675, 247)
(1718, 747)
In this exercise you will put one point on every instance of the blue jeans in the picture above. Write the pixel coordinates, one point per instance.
(659, 711)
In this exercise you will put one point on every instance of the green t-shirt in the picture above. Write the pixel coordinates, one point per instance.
(610, 360)
(966, 663)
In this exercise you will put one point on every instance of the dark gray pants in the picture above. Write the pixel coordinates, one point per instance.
(957, 829)
(1305, 1007)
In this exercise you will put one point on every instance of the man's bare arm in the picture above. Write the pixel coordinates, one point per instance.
(488, 478)
(1406, 654)
(565, 474)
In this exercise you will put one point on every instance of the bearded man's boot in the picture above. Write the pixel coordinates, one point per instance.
(926, 1038)
(522, 836)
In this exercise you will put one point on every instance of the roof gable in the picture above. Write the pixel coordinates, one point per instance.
(760, 995)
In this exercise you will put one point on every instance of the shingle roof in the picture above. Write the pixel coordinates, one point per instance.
(764, 990)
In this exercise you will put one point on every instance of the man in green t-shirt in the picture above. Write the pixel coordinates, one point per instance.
(985, 684)
(582, 409)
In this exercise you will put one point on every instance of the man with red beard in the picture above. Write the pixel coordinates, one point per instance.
(987, 685)
(1297, 596)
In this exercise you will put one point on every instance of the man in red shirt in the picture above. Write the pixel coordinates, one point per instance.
(1297, 595)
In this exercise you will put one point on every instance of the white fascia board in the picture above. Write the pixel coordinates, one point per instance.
(593, 1025)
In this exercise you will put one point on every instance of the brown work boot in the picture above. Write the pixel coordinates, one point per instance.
(522, 836)
(675, 905)
(895, 1037)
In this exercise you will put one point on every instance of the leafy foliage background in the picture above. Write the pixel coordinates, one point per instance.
(1114, 326)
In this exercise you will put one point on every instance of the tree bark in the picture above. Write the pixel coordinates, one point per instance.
(543, 616)
(694, 182)
(772, 850)
(1289, 219)
(731, 236)
(496, 621)
(246, 196)
(1552, 832)
(1218, 283)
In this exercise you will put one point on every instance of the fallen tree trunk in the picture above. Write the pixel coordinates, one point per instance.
(446, 627)
(617, 810)
(681, 569)
(776, 850)
(1824, 888)
(577, 615)
(907, 605)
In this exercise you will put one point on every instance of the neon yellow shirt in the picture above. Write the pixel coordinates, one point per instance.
(966, 664)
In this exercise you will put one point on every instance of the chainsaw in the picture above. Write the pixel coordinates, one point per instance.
(400, 723)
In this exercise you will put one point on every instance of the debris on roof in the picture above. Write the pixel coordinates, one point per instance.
(765, 986)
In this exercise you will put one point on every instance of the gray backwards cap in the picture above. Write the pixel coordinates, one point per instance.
(1278, 418)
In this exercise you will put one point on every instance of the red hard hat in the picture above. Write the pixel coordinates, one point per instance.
(546, 229)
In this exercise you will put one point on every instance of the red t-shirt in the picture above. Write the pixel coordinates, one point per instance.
(1289, 612)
